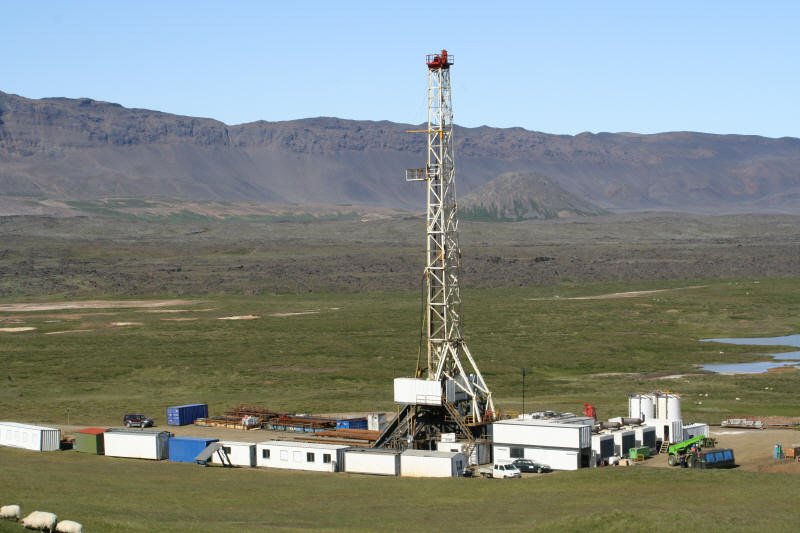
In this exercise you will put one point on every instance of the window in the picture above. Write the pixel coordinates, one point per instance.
(284, 455)
(265, 453)
(517, 453)
(309, 457)
(297, 457)
(326, 458)
(226, 449)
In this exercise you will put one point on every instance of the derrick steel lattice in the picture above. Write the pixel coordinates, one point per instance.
(448, 357)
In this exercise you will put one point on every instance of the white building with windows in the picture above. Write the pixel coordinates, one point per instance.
(316, 456)
(560, 445)
(239, 453)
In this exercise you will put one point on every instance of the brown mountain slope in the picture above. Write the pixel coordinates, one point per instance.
(516, 196)
(78, 149)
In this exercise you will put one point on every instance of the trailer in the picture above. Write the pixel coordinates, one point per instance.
(294, 455)
(29, 437)
(376, 461)
(427, 463)
(137, 444)
(239, 453)
(562, 445)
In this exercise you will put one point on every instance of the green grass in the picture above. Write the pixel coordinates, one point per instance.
(344, 356)
(122, 495)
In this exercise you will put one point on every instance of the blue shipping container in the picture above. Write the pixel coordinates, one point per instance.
(185, 449)
(180, 415)
(352, 423)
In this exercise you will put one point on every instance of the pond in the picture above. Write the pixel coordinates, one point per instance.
(785, 359)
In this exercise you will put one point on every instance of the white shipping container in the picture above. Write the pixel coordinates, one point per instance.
(29, 437)
(563, 459)
(695, 430)
(372, 461)
(645, 436)
(417, 391)
(316, 456)
(667, 430)
(542, 433)
(376, 421)
(624, 440)
(603, 445)
(427, 463)
(137, 444)
(481, 453)
(239, 453)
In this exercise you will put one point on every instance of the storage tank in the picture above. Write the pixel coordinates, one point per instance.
(673, 406)
(641, 406)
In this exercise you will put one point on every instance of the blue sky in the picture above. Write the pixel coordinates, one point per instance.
(558, 67)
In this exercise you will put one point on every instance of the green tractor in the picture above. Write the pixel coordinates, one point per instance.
(688, 450)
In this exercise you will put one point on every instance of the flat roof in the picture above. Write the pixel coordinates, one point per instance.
(27, 426)
(301, 444)
(92, 431)
(431, 453)
(375, 450)
(534, 422)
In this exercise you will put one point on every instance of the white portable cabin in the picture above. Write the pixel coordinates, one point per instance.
(603, 445)
(382, 462)
(695, 430)
(666, 430)
(239, 453)
(428, 463)
(417, 391)
(28, 437)
(562, 446)
(315, 456)
(481, 453)
(645, 436)
(137, 444)
(624, 440)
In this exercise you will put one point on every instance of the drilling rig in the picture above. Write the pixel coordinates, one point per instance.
(447, 393)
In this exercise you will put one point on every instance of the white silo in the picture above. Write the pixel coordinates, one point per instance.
(673, 406)
(640, 406)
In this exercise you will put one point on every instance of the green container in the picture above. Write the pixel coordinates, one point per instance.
(90, 440)
(633, 453)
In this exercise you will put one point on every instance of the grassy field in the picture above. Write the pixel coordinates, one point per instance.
(338, 352)
(123, 495)
(326, 341)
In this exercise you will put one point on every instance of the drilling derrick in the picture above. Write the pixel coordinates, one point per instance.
(447, 394)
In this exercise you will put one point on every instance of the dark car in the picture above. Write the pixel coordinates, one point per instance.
(136, 421)
(526, 465)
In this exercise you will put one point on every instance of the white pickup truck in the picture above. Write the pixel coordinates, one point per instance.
(500, 471)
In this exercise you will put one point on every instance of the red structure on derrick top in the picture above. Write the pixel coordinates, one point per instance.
(437, 61)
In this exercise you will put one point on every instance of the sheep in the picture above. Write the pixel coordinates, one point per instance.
(40, 520)
(10, 511)
(68, 526)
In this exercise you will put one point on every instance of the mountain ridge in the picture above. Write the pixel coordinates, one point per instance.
(84, 148)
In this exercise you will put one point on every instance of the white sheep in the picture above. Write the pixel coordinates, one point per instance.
(68, 526)
(10, 511)
(40, 520)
